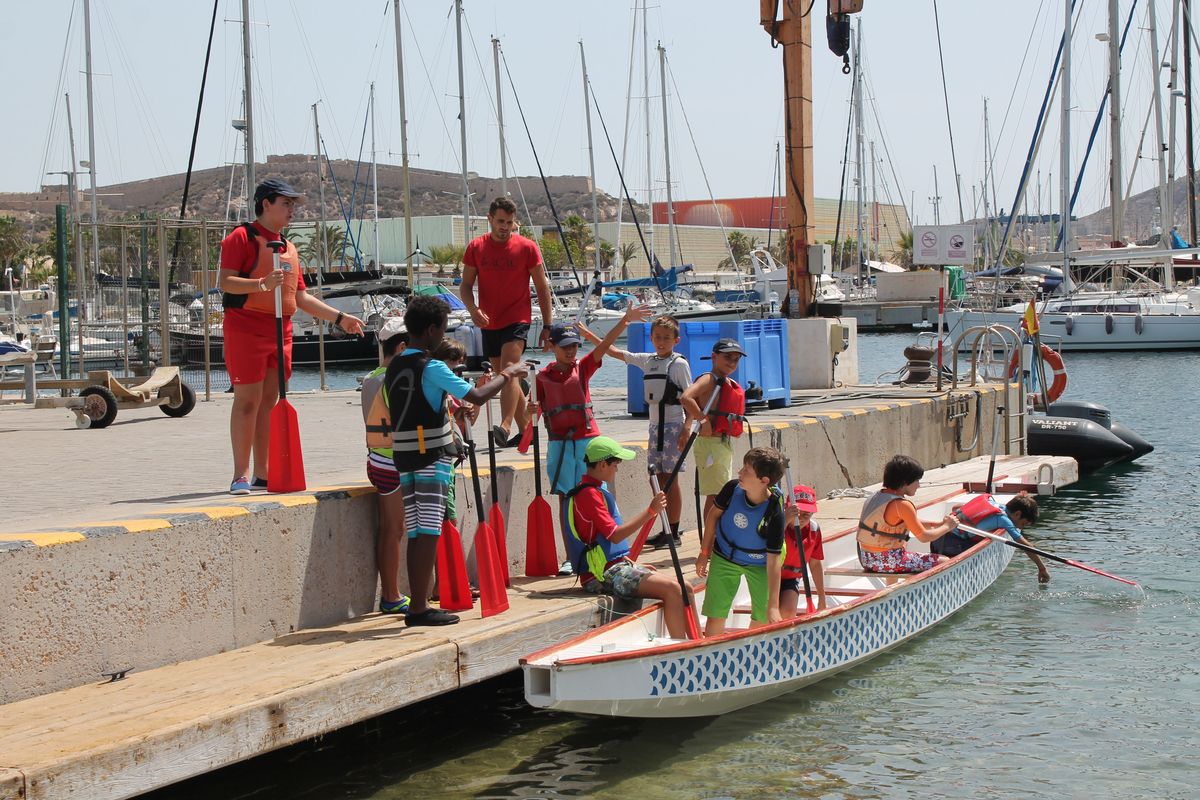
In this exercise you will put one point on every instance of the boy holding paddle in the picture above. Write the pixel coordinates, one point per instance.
(423, 444)
(598, 539)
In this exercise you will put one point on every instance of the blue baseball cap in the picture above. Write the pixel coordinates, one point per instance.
(274, 187)
(564, 335)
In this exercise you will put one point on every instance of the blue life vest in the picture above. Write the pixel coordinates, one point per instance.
(739, 530)
(592, 557)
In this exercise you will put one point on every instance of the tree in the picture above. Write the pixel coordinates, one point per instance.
(443, 254)
(629, 252)
(12, 241)
(903, 254)
(740, 246)
(579, 239)
(607, 254)
(309, 247)
(554, 256)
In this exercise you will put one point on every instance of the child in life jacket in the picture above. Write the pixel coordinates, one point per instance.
(667, 377)
(889, 519)
(984, 513)
(743, 538)
(565, 401)
(598, 539)
(802, 546)
(722, 424)
(381, 470)
(423, 445)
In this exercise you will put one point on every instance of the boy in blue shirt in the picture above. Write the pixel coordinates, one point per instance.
(1019, 512)
(423, 444)
(743, 536)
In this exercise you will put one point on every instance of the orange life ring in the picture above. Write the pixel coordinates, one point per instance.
(1058, 382)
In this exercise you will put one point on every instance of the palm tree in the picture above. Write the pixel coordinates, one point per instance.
(740, 245)
(309, 247)
(904, 250)
(629, 251)
(443, 254)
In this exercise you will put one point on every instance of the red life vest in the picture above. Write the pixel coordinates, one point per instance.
(566, 405)
(793, 561)
(979, 508)
(727, 417)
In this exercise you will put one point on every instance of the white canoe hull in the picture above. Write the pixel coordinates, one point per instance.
(716, 676)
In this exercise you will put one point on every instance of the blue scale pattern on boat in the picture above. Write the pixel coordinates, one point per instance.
(847, 637)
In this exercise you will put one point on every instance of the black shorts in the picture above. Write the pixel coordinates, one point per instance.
(790, 584)
(494, 340)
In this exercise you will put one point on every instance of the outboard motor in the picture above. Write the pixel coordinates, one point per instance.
(1082, 409)
(1089, 443)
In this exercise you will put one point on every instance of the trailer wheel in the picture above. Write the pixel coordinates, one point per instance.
(100, 405)
(187, 401)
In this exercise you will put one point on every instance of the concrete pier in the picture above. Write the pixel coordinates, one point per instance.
(247, 622)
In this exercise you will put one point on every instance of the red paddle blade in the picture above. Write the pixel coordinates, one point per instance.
(285, 464)
(526, 439)
(693, 627)
(639, 541)
(454, 589)
(1101, 572)
(496, 521)
(541, 554)
(492, 597)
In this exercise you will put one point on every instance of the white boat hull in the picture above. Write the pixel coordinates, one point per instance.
(1089, 331)
(712, 677)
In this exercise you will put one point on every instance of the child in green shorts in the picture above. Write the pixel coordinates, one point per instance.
(743, 536)
(722, 424)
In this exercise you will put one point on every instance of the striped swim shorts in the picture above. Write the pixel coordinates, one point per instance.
(382, 474)
(425, 493)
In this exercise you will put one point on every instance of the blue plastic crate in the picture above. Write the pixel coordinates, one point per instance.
(765, 363)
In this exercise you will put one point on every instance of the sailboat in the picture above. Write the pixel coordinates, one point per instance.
(1146, 314)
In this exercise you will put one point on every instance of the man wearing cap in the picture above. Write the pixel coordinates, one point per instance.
(504, 262)
(598, 540)
(249, 279)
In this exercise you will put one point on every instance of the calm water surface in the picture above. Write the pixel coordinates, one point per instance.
(1074, 690)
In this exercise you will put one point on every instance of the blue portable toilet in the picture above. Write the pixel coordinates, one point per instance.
(765, 363)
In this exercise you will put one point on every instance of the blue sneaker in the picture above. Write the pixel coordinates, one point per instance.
(398, 607)
(240, 486)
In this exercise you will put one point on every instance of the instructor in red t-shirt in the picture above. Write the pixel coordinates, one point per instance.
(248, 278)
(504, 261)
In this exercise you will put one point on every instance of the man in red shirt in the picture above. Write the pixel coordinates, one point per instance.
(248, 278)
(504, 261)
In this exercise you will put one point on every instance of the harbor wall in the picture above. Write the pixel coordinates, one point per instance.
(150, 592)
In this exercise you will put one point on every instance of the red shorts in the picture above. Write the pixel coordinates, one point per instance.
(250, 347)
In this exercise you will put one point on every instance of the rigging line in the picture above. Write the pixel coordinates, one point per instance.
(1096, 123)
(58, 92)
(141, 102)
(354, 186)
(545, 185)
(625, 189)
(887, 152)
(1020, 71)
(337, 192)
(837, 228)
(625, 137)
(433, 93)
(774, 194)
(949, 126)
(687, 123)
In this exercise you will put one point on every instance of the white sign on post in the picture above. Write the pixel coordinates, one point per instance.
(938, 245)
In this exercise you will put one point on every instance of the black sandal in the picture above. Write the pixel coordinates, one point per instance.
(430, 616)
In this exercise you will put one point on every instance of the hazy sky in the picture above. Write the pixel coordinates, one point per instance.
(148, 58)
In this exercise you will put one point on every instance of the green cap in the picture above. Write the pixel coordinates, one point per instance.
(602, 447)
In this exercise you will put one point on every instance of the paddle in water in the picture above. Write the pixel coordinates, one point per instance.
(1045, 554)
(285, 463)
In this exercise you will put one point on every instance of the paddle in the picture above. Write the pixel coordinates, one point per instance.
(693, 626)
(495, 514)
(541, 555)
(699, 508)
(787, 471)
(492, 597)
(285, 462)
(995, 435)
(1044, 554)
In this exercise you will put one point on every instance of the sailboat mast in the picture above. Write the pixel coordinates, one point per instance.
(587, 115)
(1187, 113)
(1163, 148)
(81, 307)
(249, 98)
(375, 184)
(1065, 145)
(649, 154)
(500, 119)
(859, 176)
(323, 233)
(408, 237)
(1172, 117)
(988, 181)
(662, 69)
(462, 125)
(1114, 118)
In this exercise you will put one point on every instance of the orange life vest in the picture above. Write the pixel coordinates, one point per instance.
(376, 417)
(566, 405)
(727, 417)
(264, 265)
(875, 533)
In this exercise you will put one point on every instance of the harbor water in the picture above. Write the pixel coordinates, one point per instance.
(1076, 689)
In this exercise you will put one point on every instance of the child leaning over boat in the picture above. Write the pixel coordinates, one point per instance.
(598, 541)
(667, 377)
(803, 548)
(888, 520)
(985, 514)
(743, 537)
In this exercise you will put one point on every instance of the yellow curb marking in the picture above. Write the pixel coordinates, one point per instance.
(214, 512)
(44, 539)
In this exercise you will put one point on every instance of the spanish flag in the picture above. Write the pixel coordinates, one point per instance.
(1030, 320)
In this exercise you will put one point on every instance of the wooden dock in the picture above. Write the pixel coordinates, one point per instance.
(159, 726)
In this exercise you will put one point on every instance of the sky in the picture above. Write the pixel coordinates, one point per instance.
(725, 90)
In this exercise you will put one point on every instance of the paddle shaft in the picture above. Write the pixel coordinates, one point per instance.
(475, 475)
(800, 544)
(1045, 554)
(275, 248)
(692, 440)
(491, 451)
(666, 529)
(995, 437)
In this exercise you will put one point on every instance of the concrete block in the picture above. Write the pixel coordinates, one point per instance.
(916, 285)
(810, 353)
